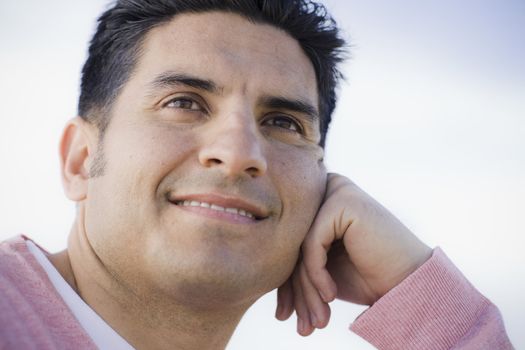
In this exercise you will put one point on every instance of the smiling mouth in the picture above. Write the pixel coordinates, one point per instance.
(236, 211)
(221, 206)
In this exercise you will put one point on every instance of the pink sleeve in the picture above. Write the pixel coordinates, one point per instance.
(433, 308)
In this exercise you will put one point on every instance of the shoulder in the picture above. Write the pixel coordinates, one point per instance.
(32, 313)
(18, 267)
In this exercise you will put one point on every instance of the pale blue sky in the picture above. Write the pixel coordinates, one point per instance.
(431, 121)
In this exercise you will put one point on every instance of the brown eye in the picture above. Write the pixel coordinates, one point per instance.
(183, 103)
(284, 122)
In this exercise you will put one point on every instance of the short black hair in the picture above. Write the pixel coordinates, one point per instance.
(116, 45)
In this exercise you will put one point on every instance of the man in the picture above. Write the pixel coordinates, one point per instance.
(197, 168)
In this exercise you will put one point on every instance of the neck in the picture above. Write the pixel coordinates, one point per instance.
(146, 320)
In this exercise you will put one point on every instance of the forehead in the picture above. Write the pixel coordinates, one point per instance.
(230, 50)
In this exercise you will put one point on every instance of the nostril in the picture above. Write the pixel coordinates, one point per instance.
(233, 159)
(253, 171)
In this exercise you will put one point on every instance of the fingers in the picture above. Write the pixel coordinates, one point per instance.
(304, 326)
(311, 286)
(315, 257)
(330, 224)
(284, 301)
(315, 249)
(318, 310)
(300, 294)
(289, 297)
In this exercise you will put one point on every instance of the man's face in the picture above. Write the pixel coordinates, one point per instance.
(218, 113)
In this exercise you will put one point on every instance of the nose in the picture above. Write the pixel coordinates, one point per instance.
(234, 147)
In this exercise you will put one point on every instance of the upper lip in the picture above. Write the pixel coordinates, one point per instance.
(225, 201)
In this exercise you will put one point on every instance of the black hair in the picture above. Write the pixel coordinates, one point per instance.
(116, 45)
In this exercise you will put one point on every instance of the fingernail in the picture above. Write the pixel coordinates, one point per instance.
(300, 325)
(327, 297)
(313, 319)
(279, 311)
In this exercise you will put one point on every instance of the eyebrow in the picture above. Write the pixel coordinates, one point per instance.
(171, 79)
(294, 105)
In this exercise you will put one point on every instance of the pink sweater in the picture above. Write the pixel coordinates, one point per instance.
(434, 308)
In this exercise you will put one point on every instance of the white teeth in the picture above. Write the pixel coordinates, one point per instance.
(232, 210)
(217, 207)
(236, 211)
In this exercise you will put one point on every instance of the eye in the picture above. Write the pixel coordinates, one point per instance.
(183, 103)
(284, 122)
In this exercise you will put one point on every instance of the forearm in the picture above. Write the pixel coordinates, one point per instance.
(434, 308)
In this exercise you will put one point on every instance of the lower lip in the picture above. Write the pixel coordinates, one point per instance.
(219, 215)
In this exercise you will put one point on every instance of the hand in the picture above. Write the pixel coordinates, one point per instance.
(355, 250)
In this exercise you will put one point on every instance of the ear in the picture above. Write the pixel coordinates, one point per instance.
(77, 144)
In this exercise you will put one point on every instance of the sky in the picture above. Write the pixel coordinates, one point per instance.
(430, 122)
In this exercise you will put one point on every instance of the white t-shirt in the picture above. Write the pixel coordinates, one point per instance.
(100, 332)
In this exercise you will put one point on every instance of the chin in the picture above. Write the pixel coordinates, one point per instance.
(208, 292)
(219, 268)
(214, 283)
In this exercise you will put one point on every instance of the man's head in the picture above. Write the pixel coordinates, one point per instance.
(117, 45)
(213, 158)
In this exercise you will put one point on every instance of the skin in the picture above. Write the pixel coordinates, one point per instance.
(356, 251)
(164, 275)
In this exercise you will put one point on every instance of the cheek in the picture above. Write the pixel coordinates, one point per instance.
(158, 149)
(301, 180)
(141, 156)
(123, 200)
(301, 183)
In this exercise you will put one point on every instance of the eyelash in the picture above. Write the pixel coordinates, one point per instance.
(295, 126)
(184, 99)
